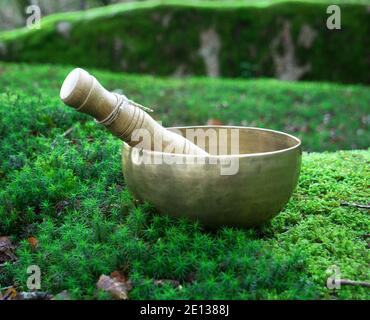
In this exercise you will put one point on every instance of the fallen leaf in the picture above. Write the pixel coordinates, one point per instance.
(10, 294)
(6, 250)
(214, 122)
(118, 286)
(33, 242)
(118, 276)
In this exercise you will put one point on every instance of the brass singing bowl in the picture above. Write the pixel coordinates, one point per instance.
(268, 169)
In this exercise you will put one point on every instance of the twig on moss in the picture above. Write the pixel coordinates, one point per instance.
(355, 205)
(66, 133)
(347, 282)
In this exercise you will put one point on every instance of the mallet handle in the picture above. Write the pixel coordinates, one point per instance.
(121, 116)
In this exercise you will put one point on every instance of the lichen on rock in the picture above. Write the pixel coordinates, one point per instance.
(286, 65)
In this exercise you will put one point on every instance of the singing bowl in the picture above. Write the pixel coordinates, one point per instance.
(268, 169)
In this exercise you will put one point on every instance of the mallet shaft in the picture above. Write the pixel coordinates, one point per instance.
(120, 115)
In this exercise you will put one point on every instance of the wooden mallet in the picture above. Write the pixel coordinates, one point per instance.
(120, 115)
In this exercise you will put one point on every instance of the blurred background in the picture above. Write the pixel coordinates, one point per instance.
(288, 40)
(12, 13)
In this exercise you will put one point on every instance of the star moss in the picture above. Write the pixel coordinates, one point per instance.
(69, 192)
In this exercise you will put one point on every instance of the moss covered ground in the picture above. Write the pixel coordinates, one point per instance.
(69, 193)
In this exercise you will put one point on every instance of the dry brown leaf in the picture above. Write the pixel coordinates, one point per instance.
(6, 250)
(214, 122)
(9, 294)
(118, 285)
(118, 276)
(33, 242)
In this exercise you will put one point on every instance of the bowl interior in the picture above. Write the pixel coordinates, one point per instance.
(231, 140)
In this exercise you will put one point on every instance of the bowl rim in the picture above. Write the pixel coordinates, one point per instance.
(243, 155)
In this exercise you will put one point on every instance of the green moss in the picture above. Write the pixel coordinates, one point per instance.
(325, 116)
(70, 194)
(137, 37)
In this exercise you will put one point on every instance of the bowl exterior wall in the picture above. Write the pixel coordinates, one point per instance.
(261, 187)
